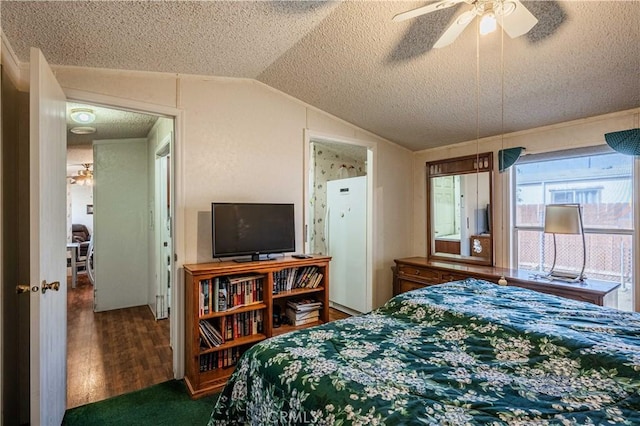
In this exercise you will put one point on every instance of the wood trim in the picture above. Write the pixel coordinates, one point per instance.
(456, 166)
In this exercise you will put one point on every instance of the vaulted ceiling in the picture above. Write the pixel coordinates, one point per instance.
(348, 58)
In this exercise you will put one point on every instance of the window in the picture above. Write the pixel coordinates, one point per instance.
(602, 183)
(581, 196)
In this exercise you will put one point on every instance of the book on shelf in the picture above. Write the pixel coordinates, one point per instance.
(299, 318)
(305, 321)
(221, 294)
(230, 327)
(205, 291)
(210, 337)
(216, 294)
(242, 324)
(292, 278)
(302, 305)
(220, 359)
(222, 298)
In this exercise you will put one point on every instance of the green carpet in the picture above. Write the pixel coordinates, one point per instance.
(165, 404)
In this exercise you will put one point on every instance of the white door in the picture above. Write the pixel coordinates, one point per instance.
(444, 222)
(121, 223)
(48, 308)
(346, 233)
(163, 234)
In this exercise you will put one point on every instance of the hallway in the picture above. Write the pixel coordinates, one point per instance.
(112, 353)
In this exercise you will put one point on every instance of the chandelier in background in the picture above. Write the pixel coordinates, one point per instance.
(84, 176)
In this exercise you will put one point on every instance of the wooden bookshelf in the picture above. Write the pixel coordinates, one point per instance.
(208, 368)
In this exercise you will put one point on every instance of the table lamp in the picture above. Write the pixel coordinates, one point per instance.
(564, 219)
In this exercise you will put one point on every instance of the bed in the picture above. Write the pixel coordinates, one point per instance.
(466, 352)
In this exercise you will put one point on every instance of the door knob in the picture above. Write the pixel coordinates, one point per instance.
(24, 288)
(50, 286)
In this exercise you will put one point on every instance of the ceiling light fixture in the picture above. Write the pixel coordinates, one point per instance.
(83, 130)
(519, 20)
(83, 115)
(84, 176)
(488, 23)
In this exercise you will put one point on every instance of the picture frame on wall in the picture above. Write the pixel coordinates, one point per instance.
(89, 208)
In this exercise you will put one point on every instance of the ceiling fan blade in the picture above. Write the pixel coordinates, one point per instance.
(455, 29)
(425, 9)
(516, 19)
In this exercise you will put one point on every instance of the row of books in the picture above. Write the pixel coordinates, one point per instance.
(219, 359)
(224, 293)
(230, 327)
(210, 337)
(303, 311)
(290, 278)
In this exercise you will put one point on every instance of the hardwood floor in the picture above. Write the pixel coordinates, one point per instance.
(112, 353)
(115, 352)
(335, 314)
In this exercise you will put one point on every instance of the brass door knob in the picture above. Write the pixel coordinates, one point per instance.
(50, 286)
(24, 288)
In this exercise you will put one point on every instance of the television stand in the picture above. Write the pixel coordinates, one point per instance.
(250, 317)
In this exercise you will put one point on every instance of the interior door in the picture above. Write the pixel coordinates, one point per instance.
(444, 201)
(121, 223)
(48, 307)
(163, 225)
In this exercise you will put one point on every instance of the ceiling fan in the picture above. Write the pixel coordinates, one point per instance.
(514, 18)
(84, 176)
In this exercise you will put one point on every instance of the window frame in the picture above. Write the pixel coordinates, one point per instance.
(632, 232)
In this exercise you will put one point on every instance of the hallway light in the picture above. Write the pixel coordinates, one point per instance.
(83, 130)
(83, 115)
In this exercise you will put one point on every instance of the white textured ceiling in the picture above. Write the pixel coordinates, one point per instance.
(348, 58)
(109, 124)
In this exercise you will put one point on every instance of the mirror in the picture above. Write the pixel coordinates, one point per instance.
(459, 209)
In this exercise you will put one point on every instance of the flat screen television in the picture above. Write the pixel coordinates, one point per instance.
(255, 229)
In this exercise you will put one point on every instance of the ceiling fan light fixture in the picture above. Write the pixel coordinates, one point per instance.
(84, 176)
(515, 19)
(488, 23)
(83, 115)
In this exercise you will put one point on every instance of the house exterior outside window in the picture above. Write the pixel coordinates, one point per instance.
(602, 183)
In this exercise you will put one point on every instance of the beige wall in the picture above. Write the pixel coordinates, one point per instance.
(573, 134)
(241, 140)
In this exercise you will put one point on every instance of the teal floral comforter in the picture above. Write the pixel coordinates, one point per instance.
(463, 353)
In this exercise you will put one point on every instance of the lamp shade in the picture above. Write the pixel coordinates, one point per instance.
(562, 219)
(508, 157)
(625, 141)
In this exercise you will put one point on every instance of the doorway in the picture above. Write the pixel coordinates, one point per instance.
(338, 216)
(163, 231)
(116, 321)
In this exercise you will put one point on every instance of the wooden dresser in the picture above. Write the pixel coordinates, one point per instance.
(416, 272)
